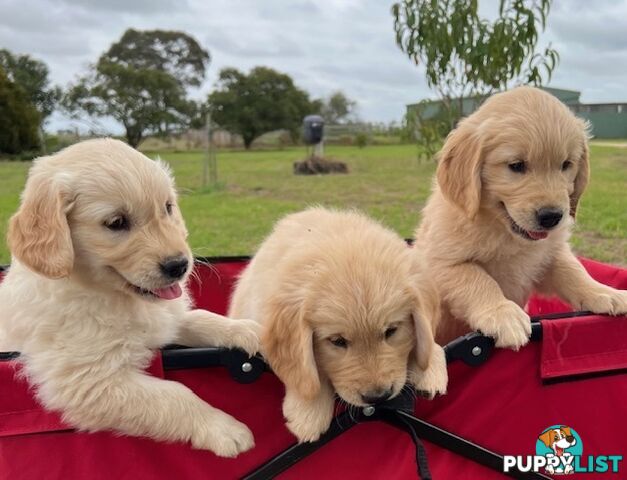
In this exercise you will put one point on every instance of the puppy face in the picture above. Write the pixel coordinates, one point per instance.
(105, 215)
(363, 349)
(358, 325)
(558, 438)
(522, 158)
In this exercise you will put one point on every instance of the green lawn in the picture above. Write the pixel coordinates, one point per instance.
(258, 187)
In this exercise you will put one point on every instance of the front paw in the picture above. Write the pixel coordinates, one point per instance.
(607, 300)
(307, 420)
(508, 324)
(245, 334)
(434, 379)
(222, 434)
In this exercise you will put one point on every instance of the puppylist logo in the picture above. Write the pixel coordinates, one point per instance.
(559, 451)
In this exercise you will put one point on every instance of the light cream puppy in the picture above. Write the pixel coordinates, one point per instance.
(342, 309)
(497, 224)
(97, 284)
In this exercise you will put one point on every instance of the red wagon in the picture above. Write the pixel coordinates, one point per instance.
(499, 402)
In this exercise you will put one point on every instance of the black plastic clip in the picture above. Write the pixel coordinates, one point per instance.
(473, 349)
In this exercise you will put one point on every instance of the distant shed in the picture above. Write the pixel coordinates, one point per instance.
(607, 120)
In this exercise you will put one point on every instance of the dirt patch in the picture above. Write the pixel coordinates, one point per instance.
(319, 165)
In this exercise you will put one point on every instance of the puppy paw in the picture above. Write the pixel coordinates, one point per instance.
(223, 435)
(308, 430)
(608, 300)
(245, 334)
(508, 324)
(434, 380)
(307, 420)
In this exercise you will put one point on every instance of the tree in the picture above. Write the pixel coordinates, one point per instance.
(32, 76)
(465, 55)
(141, 82)
(19, 119)
(337, 108)
(257, 103)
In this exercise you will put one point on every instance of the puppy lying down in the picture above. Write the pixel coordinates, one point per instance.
(342, 311)
(496, 227)
(96, 284)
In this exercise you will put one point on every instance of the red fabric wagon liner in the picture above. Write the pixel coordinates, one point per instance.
(502, 405)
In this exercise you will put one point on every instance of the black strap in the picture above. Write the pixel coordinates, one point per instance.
(421, 453)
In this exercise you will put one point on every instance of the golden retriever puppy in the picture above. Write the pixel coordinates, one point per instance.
(497, 224)
(342, 309)
(97, 284)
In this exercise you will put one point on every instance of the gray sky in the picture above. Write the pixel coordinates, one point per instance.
(324, 45)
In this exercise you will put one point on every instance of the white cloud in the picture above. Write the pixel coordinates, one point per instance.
(324, 46)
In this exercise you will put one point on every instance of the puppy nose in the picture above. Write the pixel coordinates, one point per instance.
(376, 395)
(549, 217)
(174, 267)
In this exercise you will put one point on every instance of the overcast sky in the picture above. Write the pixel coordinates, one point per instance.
(324, 45)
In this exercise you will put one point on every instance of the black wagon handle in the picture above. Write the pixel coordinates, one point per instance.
(242, 367)
(475, 348)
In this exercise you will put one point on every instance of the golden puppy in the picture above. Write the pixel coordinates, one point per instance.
(496, 227)
(97, 283)
(341, 309)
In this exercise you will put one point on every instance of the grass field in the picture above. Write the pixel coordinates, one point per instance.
(255, 188)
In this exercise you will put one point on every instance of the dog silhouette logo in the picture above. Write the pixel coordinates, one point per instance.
(560, 444)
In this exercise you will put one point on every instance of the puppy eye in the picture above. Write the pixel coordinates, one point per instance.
(518, 167)
(566, 165)
(118, 223)
(168, 207)
(340, 342)
(390, 331)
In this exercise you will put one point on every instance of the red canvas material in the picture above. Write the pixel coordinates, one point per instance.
(502, 405)
(586, 346)
(593, 345)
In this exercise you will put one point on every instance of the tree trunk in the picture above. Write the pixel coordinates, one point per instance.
(42, 139)
(248, 141)
(133, 136)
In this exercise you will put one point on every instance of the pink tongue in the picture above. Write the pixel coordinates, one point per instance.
(169, 293)
(538, 235)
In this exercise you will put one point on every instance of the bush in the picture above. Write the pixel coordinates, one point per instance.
(428, 133)
(19, 119)
(361, 139)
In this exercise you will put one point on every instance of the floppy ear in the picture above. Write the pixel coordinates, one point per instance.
(426, 314)
(432, 375)
(459, 169)
(546, 438)
(287, 344)
(39, 234)
(581, 180)
(566, 431)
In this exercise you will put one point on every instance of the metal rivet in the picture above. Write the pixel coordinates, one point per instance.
(476, 351)
(368, 411)
(247, 367)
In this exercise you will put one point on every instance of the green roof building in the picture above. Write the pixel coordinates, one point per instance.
(607, 120)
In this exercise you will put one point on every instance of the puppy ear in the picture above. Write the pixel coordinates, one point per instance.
(288, 346)
(39, 234)
(426, 314)
(581, 180)
(459, 169)
(430, 359)
(546, 438)
(566, 430)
